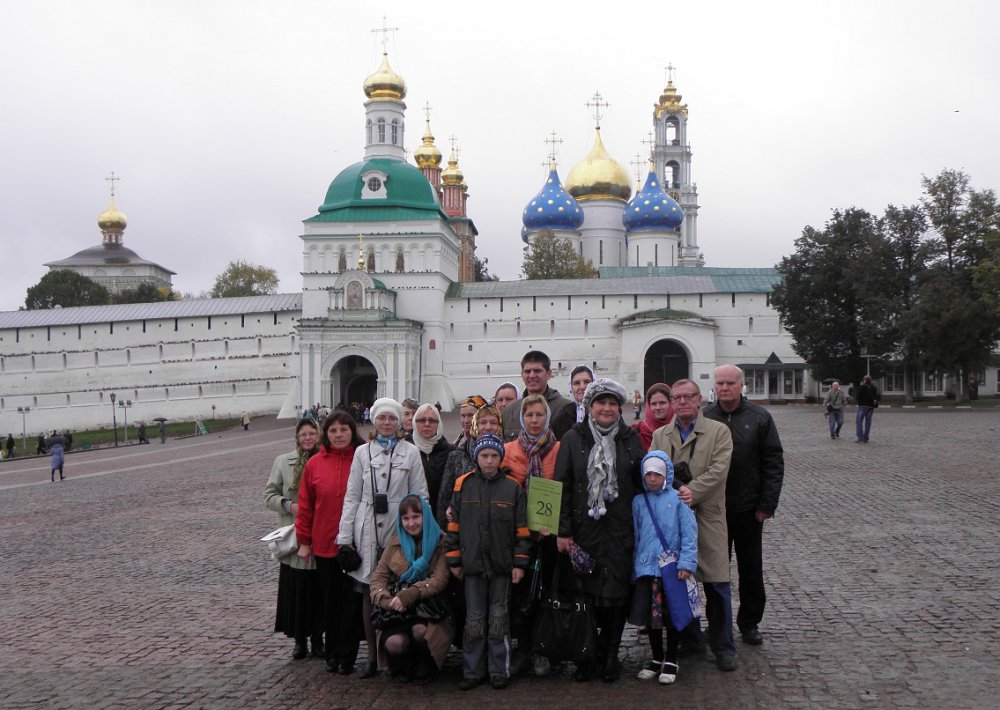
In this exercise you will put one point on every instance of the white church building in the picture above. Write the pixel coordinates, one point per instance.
(389, 305)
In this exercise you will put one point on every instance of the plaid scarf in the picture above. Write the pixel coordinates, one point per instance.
(536, 449)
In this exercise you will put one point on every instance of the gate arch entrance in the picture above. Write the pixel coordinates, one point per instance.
(353, 379)
(666, 361)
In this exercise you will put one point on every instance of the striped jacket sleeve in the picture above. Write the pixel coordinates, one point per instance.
(522, 543)
(452, 545)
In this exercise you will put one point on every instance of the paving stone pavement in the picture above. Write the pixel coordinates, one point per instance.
(139, 582)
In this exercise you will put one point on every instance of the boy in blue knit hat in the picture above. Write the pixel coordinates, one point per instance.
(488, 546)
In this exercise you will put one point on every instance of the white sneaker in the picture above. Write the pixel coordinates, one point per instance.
(668, 674)
(541, 666)
(651, 670)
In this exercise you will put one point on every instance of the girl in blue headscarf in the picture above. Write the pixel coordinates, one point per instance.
(411, 570)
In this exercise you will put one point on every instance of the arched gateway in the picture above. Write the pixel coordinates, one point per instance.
(665, 361)
(353, 379)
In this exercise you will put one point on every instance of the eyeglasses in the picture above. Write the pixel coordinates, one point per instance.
(683, 397)
(426, 420)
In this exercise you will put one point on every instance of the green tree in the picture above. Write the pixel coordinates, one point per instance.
(242, 278)
(955, 321)
(483, 271)
(832, 298)
(66, 289)
(145, 293)
(549, 257)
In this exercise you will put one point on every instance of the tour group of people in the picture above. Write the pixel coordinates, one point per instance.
(414, 543)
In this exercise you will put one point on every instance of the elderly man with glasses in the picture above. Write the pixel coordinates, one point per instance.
(706, 447)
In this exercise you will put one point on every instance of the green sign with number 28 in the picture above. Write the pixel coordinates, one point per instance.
(544, 499)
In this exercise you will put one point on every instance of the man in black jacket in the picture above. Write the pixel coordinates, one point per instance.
(752, 490)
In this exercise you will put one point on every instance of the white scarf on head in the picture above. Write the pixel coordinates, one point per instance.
(602, 479)
(426, 445)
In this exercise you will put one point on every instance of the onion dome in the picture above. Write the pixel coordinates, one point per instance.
(428, 155)
(652, 209)
(385, 83)
(552, 207)
(111, 219)
(599, 176)
(452, 175)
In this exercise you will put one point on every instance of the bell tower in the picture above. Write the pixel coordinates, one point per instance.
(672, 162)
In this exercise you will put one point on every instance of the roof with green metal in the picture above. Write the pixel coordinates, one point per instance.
(408, 195)
(629, 281)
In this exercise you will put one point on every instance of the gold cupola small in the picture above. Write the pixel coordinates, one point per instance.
(385, 84)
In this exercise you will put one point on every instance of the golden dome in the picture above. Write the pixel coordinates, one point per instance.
(452, 175)
(670, 102)
(111, 220)
(428, 155)
(385, 83)
(599, 176)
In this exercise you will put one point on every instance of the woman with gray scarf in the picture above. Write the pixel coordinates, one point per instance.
(599, 466)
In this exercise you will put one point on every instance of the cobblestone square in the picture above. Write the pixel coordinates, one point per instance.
(140, 582)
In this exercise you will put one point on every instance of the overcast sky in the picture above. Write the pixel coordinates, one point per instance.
(227, 120)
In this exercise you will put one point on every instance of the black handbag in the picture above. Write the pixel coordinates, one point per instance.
(429, 609)
(565, 628)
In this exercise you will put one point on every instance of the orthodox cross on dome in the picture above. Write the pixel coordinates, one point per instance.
(650, 144)
(427, 110)
(112, 179)
(361, 252)
(552, 142)
(597, 104)
(385, 30)
(670, 72)
(637, 165)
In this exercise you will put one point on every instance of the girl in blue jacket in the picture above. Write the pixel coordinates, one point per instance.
(677, 523)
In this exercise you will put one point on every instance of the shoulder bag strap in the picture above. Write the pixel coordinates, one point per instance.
(659, 533)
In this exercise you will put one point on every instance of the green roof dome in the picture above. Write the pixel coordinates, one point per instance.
(405, 194)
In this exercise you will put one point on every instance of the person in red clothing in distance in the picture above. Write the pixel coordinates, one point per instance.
(320, 505)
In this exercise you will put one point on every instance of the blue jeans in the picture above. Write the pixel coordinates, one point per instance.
(863, 422)
(836, 418)
(486, 643)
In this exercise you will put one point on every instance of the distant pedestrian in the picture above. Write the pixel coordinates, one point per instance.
(10, 446)
(245, 421)
(143, 439)
(55, 444)
(833, 404)
(40, 450)
(68, 436)
(163, 432)
(867, 402)
(973, 387)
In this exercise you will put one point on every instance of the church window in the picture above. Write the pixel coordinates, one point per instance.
(673, 176)
(432, 345)
(342, 260)
(635, 301)
(374, 184)
(484, 329)
(767, 300)
(534, 303)
(487, 369)
(395, 131)
(381, 130)
(451, 329)
(519, 327)
(552, 327)
(369, 132)
(501, 304)
(569, 303)
(671, 132)
(470, 347)
(668, 301)
(734, 300)
(602, 301)
(750, 324)
(656, 255)
(468, 305)
(586, 326)
(177, 325)
(209, 322)
(600, 258)
(700, 301)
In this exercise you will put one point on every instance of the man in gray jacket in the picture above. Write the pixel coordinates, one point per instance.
(536, 371)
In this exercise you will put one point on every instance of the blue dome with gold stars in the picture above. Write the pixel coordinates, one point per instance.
(652, 209)
(551, 208)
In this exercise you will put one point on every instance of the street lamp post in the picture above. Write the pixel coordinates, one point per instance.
(125, 404)
(213, 411)
(114, 417)
(24, 429)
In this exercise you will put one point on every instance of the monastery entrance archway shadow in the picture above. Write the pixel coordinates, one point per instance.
(666, 361)
(353, 379)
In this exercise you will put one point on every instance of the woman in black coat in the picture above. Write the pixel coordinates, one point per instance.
(434, 448)
(599, 465)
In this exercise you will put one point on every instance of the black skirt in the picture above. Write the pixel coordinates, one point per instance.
(300, 603)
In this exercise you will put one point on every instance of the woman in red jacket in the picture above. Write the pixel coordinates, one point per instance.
(321, 502)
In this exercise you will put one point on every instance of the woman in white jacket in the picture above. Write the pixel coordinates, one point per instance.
(384, 471)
